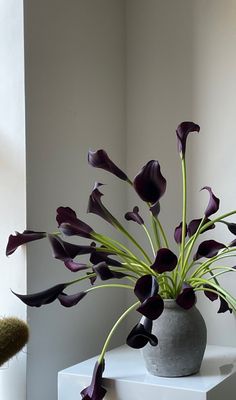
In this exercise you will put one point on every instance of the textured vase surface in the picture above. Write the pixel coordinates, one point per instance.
(181, 342)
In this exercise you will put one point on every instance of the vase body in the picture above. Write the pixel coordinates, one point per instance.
(181, 342)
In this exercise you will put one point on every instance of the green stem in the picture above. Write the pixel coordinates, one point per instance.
(183, 212)
(156, 233)
(110, 285)
(162, 232)
(150, 239)
(131, 308)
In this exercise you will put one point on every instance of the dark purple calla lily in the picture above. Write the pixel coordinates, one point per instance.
(224, 306)
(70, 225)
(70, 300)
(182, 133)
(100, 159)
(104, 272)
(149, 182)
(102, 256)
(95, 391)
(74, 266)
(231, 226)
(165, 260)
(134, 216)
(233, 243)
(18, 239)
(194, 224)
(210, 295)
(186, 299)
(141, 334)
(155, 209)
(208, 249)
(146, 286)
(214, 202)
(178, 233)
(95, 206)
(44, 297)
(152, 308)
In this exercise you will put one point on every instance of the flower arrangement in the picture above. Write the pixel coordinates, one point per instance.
(153, 278)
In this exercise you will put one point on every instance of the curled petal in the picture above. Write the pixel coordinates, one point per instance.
(194, 224)
(134, 216)
(44, 297)
(165, 260)
(70, 225)
(146, 286)
(211, 296)
(149, 182)
(95, 391)
(152, 308)
(70, 300)
(105, 273)
(231, 226)
(186, 299)
(155, 209)
(141, 335)
(74, 266)
(208, 249)
(95, 205)
(18, 239)
(100, 159)
(63, 250)
(182, 133)
(224, 306)
(178, 233)
(214, 202)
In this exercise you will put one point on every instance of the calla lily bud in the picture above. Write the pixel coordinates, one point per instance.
(100, 159)
(182, 133)
(149, 182)
(95, 205)
(214, 202)
(134, 216)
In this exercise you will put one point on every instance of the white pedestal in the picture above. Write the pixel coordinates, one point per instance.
(125, 378)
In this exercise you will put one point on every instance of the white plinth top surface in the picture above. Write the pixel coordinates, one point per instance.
(126, 378)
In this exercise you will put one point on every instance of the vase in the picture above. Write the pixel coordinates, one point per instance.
(181, 342)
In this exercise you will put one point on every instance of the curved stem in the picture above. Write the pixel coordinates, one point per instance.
(150, 239)
(183, 212)
(110, 285)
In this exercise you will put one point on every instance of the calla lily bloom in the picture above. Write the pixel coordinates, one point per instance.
(95, 391)
(224, 306)
(146, 286)
(95, 205)
(210, 295)
(100, 159)
(182, 133)
(186, 299)
(213, 205)
(18, 239)
(134, 216)
(105, 273)
(102, 256)
(70, 225)
(165, 260)
(194, 224)
(70, 300)
(149, 182)
(141, 334)
(231, 226)
(152, 307)
(44, 297)
(178, 233)
(155, 209)
(208, 249)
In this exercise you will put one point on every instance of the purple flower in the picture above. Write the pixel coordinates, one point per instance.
(134, 216)
(146, 286)
(100, 159)
(178, 233)
(182, 133)
(213, 205)
(99, 256)
(95, 391)
(141, 334)
(208, 249)
(210, 295)
(231, 226)
(70, 225)
(152, 307)
(149, 182)
(95, 205)
(224, 306)
(194, 224)
(104, 272)
(70, 300)
(186, 299)
(165, 260)
(17, 240)
(44, 297)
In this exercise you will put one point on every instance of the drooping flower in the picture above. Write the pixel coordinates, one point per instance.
(44, 297)
(145, 287)
(208, 249)
(95, 391)
(104, 272)
(231, 226)
(182, 133)
(165, 261)
(100, 159)
(70, 300)
(194, 224)
(70, 225)
(209, 294)
(214, 202)
(18, 239)
(134, 216)
(186, 299)
(178, 233)
(224, 306)
(149, 182)
(141, 334)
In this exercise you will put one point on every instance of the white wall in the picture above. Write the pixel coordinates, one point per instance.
(12, 177)
(75, 101)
